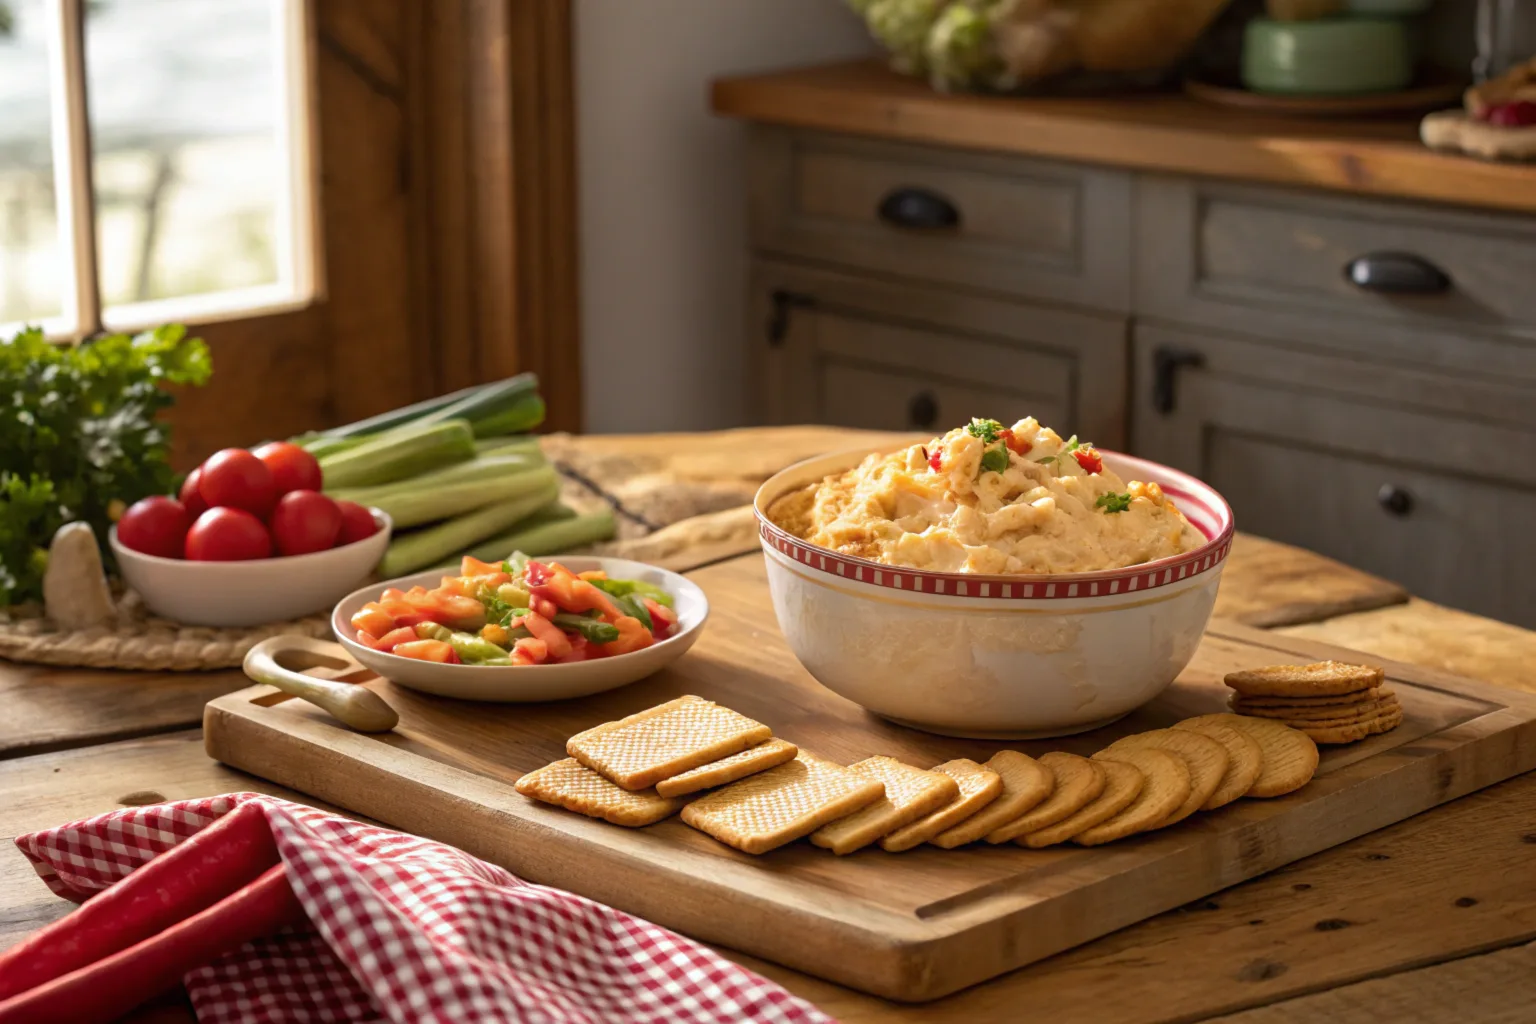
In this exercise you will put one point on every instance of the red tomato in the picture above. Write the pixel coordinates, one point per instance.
(234, 478)
(228, 535)
(356, 523)
(189, 497)
(293, 468)
(305, 522)
(155, 526)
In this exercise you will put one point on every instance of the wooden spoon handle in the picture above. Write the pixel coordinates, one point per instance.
(352, 705)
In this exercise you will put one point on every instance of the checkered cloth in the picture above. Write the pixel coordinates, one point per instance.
(404, 929)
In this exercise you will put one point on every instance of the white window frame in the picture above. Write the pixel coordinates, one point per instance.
(296, 230)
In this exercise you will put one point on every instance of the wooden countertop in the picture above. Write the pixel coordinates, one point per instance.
(1161, 132)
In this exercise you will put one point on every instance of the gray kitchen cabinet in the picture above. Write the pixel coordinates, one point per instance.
(842, 349)
(1374, 477)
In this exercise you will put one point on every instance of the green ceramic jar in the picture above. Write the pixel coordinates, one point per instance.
(1329, 57)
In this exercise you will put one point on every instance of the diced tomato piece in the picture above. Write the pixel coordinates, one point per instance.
(663, 619)
(592, 574)
(633, 636)
(1090, 459)
(472, 566)
(1014, 442)
(537, 573)
(569, 593)
(395, 637)
(553, 636)
(392, 594)
(529, 651)
(936, 461)
(367, 639)
(372, 618)
(428, 650)
(457, 585)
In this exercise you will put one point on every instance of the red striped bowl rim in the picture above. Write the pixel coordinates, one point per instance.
(1205, 509)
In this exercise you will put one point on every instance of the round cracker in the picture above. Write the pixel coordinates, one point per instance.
(1319, 678)
(1356, 731)
(1290, 757)
(1165, 787)
(1206, 758)
(1122, 784)
(1245, 760)
(1078, 783)
(1332, 712)
(1321, 700)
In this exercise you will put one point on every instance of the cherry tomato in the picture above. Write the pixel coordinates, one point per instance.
(356, 523)
(228, 535)
(305, 522)
(1515, 114)
(189, 497)
(293, 468)
(234, 478)
(155, 526)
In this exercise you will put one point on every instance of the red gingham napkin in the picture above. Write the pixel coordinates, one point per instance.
(405, 929)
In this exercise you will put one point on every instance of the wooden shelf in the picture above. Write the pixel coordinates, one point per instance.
(1162, 132)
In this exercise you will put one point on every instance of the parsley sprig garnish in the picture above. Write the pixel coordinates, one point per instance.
(1112, 503)
(1072, 445)
(987, 430)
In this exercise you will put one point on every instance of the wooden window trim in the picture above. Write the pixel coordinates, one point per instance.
(494, 141)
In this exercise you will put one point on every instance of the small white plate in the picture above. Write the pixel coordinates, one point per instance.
(523, 683)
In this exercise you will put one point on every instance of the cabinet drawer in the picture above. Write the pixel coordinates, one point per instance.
(1278, 261)
(845, 349)
(1439, 503)
(1002, 224)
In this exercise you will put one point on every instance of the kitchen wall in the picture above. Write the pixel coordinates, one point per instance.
(663, 220)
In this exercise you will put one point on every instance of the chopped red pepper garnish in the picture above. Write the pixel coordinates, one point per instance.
(936, 462)
(1015, 443)
(1089, 459)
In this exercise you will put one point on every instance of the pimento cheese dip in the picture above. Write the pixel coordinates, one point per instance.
(993, 500)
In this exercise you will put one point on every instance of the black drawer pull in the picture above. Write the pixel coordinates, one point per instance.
(918, 209)
(1396, 273)
(1166, 364)
(781, 303)
(1394, 500)
(923, 410)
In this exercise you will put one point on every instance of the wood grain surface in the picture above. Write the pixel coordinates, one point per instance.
(911, 927)
(1151, 132)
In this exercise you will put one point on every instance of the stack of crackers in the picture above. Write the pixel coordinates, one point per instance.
(733, 779)
(1329, 701)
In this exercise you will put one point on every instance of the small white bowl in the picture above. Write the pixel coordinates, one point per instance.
(253, 592)
(524, 683)
(995, 657)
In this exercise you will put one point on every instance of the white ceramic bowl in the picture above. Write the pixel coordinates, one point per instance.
(995, 656)
(522, 683)
(254, 592)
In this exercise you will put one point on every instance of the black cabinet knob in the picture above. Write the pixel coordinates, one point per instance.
(1396, 273)
(918, 209)
(1166, 364)
(923, 410)
(1394, 500)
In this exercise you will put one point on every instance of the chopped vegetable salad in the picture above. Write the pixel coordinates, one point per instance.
(517, 612)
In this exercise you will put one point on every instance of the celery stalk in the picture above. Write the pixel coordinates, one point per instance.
(401, 453)
(418, 549)
(454, 490)
(548, 538)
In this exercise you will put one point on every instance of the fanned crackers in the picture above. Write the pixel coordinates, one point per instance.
(1323, 678)
(978, 787)
(1290, 757)
(639, 751)
(1078, 782)
(574, 786)
(1165, 788)
(1204, 757)
(1122, 785)
(1245, 760)
(910, 793)
(1026, 782)
(764, 811)
(738, 766)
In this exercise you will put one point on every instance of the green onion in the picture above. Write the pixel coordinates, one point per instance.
(510, 406)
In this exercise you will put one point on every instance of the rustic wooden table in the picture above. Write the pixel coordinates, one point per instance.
(1428, 920)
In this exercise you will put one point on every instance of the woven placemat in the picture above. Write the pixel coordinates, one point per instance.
(135, 639)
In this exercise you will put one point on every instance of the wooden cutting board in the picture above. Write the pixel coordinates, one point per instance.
(911, 926)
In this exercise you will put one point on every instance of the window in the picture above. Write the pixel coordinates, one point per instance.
(154, 161)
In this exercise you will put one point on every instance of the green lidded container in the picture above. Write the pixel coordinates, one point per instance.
(1347, 56)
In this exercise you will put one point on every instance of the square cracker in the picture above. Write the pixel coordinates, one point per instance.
(979, 786)
(728, 769)
(910, 793)
(667, 740)
(780, 805)
(574, 786)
